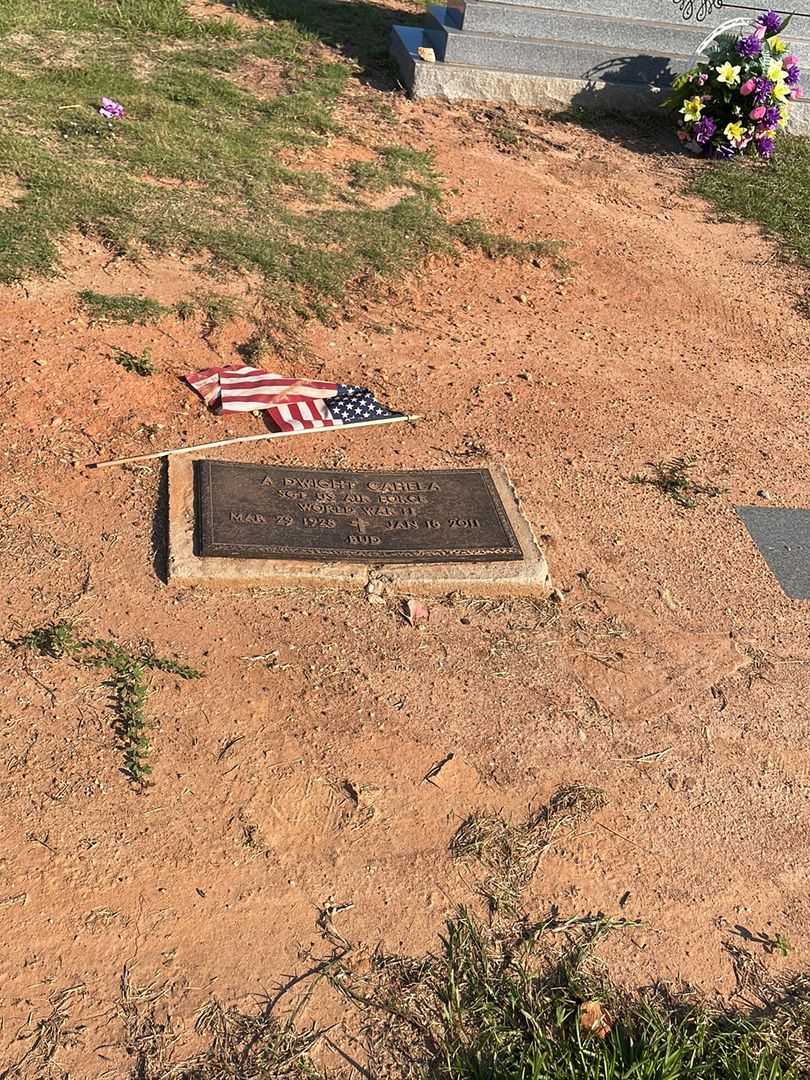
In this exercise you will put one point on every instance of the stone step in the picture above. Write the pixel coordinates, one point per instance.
(629, 35)
(572, 57)
(457, 82)
(515, 16)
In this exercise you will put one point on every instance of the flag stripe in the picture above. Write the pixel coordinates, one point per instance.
(291, 404)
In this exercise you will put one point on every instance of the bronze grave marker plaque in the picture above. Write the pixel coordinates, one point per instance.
(259, 512)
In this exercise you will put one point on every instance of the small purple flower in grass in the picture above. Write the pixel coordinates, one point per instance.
(749, 47)
(770, 22)
(765, 147)
(111, 110)
(704, 129)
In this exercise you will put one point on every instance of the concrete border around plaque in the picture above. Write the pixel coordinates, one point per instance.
(528, 576)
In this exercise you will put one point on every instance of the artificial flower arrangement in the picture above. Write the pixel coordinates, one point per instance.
(738, 99)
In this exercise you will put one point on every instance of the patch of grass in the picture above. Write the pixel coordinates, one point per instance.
(143, 16)
(673, 479)
(509, 853)
(142, 364)
(104, 307)
(216, 310)
(255, 349)
(360, 29)
(499, 1005)
(782, 945)
(474, 234)
(200, 164)
(506, 135)
(127, 679)
(398, 166)
(185, 310)
(512, 1003)
(776, 195)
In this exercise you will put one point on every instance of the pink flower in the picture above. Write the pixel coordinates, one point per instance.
(757, 113)
(760, 32)
(111, 110)
(789, 61)
(748, 87)
(682, 135)
(796, 93)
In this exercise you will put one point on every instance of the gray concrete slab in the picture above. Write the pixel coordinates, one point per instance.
(628, 35)
(479, 14)
(456, 82)
(783, 539)
(573, 57)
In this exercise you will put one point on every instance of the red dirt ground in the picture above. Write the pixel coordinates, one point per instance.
(671, 635)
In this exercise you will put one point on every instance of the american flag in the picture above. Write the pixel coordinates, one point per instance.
(291, 404)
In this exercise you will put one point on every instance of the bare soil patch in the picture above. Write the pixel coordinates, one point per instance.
(674, 674)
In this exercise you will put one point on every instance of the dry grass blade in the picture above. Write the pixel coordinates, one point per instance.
(50, 1034)
(750, 973)
(236, 1045)
(510, 853)
(787, 1011)
(149, 1037)
(259, 1045)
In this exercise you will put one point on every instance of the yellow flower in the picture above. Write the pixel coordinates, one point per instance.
(783, 116)
(777, 45)
(734, 132)
(729, 74)
(692, 108)
(781, 91)
(775, 71)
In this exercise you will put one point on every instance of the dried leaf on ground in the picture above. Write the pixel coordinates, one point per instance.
(593, 1019)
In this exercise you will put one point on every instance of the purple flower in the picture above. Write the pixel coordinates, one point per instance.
(749, 47)
(771, 117)
(793, 75)
(704, 129)
(111, 110)
(764, 88)
(770, 22)
(765, 147)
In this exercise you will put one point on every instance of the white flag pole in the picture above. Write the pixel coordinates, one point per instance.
(246, 439)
